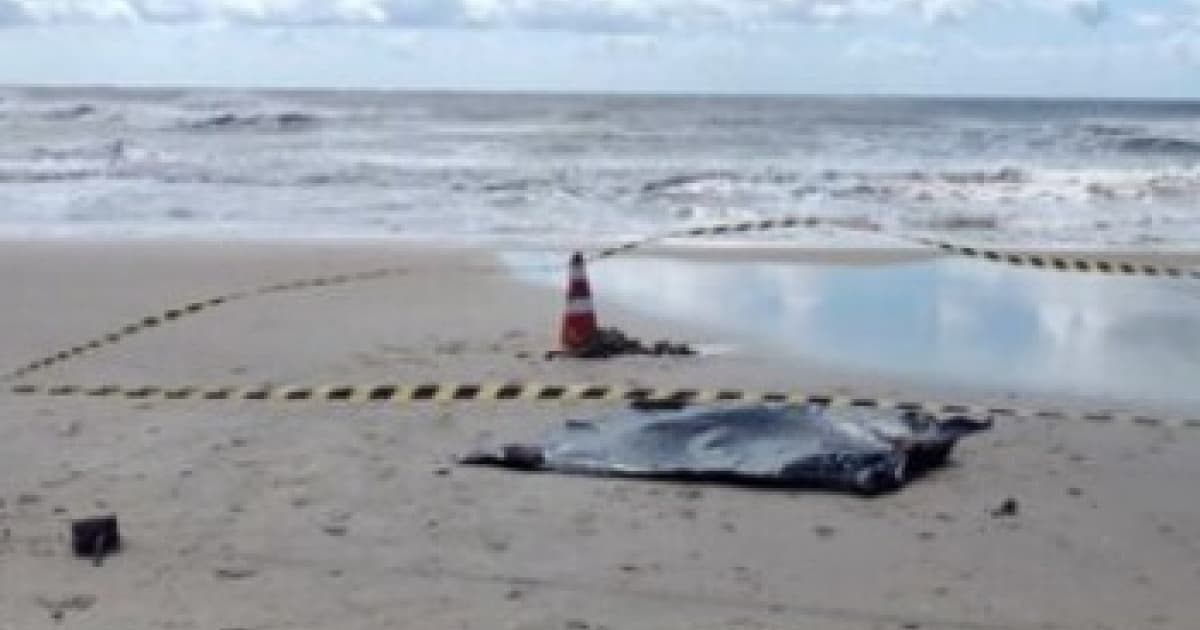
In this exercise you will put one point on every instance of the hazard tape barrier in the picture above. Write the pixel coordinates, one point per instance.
(720, 229)
(1058, 262)
(1043, 261)
(1036, 260)
(548, 393)
(123, 332)
(176, 314)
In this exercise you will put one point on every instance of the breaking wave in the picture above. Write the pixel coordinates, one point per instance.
(682, 180)
(228, 121)
(553, 167)
(1006, 186)
(70, 113)
(1162, 146)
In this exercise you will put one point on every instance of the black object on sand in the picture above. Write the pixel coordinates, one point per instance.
(1007, 509)
(606, 343)
(859, 450)
(95, 537)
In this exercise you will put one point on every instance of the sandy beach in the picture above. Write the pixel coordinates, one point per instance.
(243, 515)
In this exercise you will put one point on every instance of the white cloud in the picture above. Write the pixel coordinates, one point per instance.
(1151, 20)
(588, 15)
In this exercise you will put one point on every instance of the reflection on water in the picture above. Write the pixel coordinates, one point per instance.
(951, 320)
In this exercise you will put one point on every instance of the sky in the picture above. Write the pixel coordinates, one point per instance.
(1049, 48)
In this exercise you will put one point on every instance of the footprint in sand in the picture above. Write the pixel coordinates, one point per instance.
(59, 607)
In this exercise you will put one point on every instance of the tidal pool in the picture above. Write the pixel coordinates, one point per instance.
(952, 321)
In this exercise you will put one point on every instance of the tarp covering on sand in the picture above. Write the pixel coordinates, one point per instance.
(861, 450)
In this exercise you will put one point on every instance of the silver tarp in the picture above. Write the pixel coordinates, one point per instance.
(862, 450)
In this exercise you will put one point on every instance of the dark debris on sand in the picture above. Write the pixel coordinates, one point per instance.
(612, 342)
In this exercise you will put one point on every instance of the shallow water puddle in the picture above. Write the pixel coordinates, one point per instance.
(953, 321)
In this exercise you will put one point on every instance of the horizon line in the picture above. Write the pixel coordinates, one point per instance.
(458, 90)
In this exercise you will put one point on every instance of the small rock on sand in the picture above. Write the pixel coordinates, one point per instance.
(1007, 509)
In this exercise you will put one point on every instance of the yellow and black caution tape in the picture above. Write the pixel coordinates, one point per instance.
(119, 334)
(1044, 261)
(176, 314)
(720, 229)
(1035, 260)
(549, 393)
(1059, 262)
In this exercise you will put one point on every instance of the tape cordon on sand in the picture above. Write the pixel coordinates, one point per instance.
(117, 335)
(543, 393)
(171, 315)
(1039, 260)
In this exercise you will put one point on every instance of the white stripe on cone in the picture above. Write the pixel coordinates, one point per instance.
(579, 306)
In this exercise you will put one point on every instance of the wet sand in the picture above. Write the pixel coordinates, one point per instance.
(260, 515)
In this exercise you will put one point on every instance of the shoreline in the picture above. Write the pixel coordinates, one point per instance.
(702, 248)
(322, 257)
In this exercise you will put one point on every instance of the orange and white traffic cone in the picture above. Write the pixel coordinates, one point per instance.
(579, 321)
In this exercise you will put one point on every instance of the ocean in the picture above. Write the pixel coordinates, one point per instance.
(542, 168)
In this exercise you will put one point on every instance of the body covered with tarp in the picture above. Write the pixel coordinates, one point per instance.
(862, 450)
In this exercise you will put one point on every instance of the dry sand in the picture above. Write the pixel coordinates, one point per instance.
(258, 515)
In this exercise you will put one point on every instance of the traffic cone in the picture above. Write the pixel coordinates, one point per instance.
(579, 321)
